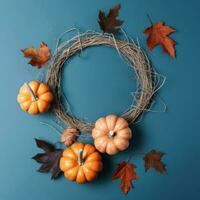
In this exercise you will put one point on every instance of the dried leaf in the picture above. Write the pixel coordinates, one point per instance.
(126, 173)
(69, 136)
(44, 145)
(109, 23)
(158, 35)
(153, 160)
(39, 57)
(49, 160)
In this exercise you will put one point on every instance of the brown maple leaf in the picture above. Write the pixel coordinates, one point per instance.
(158, 34)
(109, 23)
(49, 159)
(153, 160)
(39, 57)
(126, 173)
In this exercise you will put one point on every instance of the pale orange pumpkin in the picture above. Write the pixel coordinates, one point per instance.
(81, 162)
(34, 97)
(111, 134)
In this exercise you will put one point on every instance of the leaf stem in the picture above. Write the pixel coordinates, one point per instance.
(150, 20)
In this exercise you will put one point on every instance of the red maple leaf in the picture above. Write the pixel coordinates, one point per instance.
(39, 57)
(126, 173)
(158, 35)
(153, 160)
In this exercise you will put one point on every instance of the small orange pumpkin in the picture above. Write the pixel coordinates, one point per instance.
(81, 162)
(34, 97)
(111, 134)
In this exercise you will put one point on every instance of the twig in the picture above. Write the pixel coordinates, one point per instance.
(129, 51)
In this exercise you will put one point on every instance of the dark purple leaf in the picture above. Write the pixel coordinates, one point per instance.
(50, 159)
(44, 145)
(109, 23)
(44, 168)
(41, 157)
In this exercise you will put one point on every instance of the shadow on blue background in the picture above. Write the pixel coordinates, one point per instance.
(99, 83)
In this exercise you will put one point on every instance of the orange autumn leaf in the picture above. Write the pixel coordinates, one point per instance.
(39, 57)
(158, 35)
(126, 173)
(153, 160)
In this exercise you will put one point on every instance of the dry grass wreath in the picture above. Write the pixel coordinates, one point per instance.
(128, 50)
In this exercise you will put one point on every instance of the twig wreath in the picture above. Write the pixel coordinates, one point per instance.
(81, 162)
(129, 51)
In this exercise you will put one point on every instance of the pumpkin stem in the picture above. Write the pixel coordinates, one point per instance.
(80, 157)
(111, 133)
(33, 97)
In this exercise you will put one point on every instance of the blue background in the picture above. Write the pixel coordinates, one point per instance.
(98, 83)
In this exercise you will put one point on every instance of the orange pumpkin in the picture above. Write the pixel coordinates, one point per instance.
(34, 97)
(111, 134)
(81, 162)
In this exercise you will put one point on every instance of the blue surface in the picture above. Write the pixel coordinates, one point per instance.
(99, 83)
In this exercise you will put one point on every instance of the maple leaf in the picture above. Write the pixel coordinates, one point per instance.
(158, 34)
(153, 160)
(49, 160)
(125, 171)
(39, 57)
(109, 23)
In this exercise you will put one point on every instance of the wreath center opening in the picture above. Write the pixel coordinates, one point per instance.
(96, 82)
